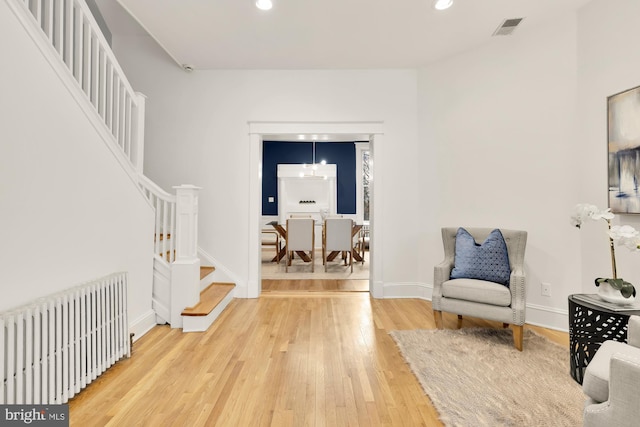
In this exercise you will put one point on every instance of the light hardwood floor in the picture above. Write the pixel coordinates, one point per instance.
(312, 285)
(288, 358)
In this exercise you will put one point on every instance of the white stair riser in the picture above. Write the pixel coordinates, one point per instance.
(202, 323)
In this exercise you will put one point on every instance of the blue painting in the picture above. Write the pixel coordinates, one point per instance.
(624, 151)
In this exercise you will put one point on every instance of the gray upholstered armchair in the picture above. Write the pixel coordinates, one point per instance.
(480, 298)
(612, 382)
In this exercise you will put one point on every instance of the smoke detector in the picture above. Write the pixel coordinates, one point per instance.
(507, 27)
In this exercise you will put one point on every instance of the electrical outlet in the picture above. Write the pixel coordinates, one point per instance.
(545, 289)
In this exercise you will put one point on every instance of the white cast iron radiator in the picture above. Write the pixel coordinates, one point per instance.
(54, 347)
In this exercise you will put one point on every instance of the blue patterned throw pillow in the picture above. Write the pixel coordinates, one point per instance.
(488, 261)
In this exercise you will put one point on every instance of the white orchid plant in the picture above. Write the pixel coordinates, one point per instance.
(622, 235)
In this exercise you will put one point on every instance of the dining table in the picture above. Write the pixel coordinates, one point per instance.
(282, 231)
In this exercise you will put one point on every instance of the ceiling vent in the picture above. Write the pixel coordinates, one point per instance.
(507, 27)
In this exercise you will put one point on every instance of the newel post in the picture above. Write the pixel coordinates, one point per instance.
(185, 270)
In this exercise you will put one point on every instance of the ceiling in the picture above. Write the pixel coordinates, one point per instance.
(323, 34)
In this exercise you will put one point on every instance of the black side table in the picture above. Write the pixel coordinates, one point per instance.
(589, 326)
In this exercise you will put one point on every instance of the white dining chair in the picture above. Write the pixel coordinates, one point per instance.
(337, 237)
(300, 237)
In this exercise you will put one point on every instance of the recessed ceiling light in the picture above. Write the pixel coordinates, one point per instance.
(442, 4)
(264, 4)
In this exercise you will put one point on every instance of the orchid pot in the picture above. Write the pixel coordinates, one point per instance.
(615, 290)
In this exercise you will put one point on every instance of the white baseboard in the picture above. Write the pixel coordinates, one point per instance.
(222, 274)
(538, 315)
(242, 291)
(548, 317)
(205, 258)
(407, 290)
(142, 325)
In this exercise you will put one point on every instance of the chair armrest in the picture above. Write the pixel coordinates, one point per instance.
(623, 406)
(517, 279)
(517, 286)
(633, 331)
(441, 273)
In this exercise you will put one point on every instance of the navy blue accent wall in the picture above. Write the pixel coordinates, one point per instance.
(342, 154)
(274, 153)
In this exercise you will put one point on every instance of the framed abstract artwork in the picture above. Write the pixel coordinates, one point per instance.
(623, 115)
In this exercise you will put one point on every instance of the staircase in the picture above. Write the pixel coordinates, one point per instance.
(70, 39)
(184, 293)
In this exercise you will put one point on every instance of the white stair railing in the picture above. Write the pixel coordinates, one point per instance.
(76, 37)
(165, 231)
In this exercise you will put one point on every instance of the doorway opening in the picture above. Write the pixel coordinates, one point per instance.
(299, 179)
(368, 135)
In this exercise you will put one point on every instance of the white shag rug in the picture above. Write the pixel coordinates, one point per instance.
(476, 377)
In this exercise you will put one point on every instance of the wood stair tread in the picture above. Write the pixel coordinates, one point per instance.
(205, 271)
(210, 297)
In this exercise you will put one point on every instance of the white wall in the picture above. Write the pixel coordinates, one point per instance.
(197, 133)
(608, 63)
(69, 213)
(510, 135)
(500, 122)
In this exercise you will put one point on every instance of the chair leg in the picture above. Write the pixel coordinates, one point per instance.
(459, 321)
(313, 260)
(437, 317)
(351, 259)
(518, 331)
(324, 260)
